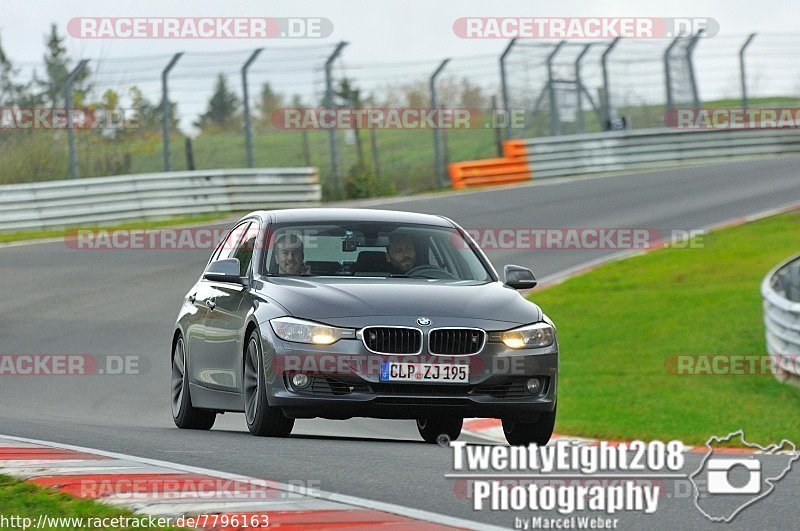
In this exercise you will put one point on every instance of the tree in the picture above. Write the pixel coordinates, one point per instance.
(57, 68)
(268, 102)
(148, 115)
(472, 96)
(223, 108)
(351, 98)
(7, 86)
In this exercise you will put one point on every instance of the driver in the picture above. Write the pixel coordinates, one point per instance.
(401, 253)
(289, 255)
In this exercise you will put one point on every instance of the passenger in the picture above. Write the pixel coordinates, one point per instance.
(289, 255)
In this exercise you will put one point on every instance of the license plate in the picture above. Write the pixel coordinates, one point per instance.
(395, 371)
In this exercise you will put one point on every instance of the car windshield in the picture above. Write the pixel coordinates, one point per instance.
(372, 249)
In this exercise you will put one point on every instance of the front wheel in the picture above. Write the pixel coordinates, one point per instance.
(184, 414)
(525, 433)
(432, 429)
(263, 420)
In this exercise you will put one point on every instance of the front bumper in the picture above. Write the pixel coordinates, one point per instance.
(345, 383)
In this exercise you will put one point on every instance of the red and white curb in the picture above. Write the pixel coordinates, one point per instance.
(158, 488)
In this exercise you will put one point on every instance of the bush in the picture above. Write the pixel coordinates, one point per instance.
(361, 182)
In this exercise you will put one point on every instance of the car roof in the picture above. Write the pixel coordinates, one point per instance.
(302, 215)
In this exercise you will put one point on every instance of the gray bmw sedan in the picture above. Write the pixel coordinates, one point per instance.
(341, 313)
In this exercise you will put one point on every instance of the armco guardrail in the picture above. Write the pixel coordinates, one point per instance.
(113, 199)
(626, 150)
(780, 290)
(649, 148)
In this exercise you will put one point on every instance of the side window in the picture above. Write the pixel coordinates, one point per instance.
(244, 251)
(226, 248)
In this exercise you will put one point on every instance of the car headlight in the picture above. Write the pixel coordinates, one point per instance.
(531, 336)
(299, 331)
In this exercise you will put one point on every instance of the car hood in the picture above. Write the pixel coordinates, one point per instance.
(333, 298)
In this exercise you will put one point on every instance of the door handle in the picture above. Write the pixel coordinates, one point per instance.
(192, 298)
(212, 303)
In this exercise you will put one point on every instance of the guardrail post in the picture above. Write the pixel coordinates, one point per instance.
(555, 123)
(330, 104)
(504, 86)
(437, 148)
(248, 123)
(690, 61)
(742, 71)
(165, 109)
(606, 105)
(579, 87)
(68, 103)
(668, 74)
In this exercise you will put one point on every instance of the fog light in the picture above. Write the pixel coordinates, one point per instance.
(533, 385)
(300, 381)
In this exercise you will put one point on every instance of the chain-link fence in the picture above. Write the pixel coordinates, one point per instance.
(531, 89)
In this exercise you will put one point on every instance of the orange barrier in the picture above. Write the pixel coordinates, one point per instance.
(514, 148)
(509, 169)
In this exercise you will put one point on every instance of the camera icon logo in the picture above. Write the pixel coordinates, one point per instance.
(721, 472)
(726, 483)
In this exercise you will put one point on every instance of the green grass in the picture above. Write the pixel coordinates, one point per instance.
(26, 500)
(8, 237)
(620, 323)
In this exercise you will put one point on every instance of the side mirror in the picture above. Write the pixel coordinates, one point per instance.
(519, 277)
(224, 271)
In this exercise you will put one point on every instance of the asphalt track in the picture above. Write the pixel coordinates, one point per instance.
(60, 300)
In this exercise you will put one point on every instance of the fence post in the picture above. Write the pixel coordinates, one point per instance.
(437, 148)
(248, 123)
(376, 161)
(329, 103)
(555, 123)
(690, 61)
(306, 148)
(165, 105)
(498, 134)
(668, 74)
(742, 72)
(504, 86)
(68, 103)
(606, 104)
(579, 87)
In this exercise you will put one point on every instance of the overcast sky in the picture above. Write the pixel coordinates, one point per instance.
(389, 30)
(417, 33)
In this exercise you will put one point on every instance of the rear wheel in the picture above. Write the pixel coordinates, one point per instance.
(184, 414)
(432, 429)
(525, 433)
(262, 419)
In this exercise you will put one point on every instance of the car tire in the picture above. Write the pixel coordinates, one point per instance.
(262, 419)
(432, 429)
(525, 433)
(185, 415)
